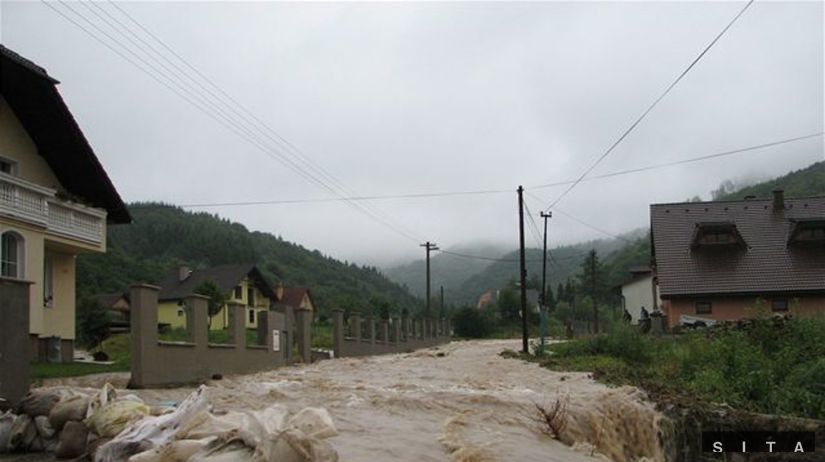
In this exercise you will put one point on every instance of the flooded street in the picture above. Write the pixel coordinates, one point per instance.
(460, 401)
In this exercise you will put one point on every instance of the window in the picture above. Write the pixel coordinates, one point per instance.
(251, 316)
(703, 308)
(8, 166)
(779, 304)
(180, 313)
(48, 282)
(238, 292)
(250, 296)
(11, 255)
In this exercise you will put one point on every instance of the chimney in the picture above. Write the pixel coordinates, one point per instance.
(183, 273)
(778, 199)
(279, 290)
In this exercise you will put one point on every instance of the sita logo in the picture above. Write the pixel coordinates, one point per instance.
(747, 442)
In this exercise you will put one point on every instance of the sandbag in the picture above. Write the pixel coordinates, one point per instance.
(106, 395)
(22, 433)
(314, 422)
(224, 450)
(112, 418)
(40, 402)
(152, 431)
(6, 422)
(44, 429)
(72, 440)
(71, 408)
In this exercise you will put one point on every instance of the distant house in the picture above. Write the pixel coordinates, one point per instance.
(533, 300)
(485, 299)
(299, 298)
(55, 201)
(637, 292)
(117, 305)
(727, 260)
(242, 283)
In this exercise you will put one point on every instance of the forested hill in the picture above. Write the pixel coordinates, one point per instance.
(809, 181)
(163, 237)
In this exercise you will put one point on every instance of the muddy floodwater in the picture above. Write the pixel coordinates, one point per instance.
(460, 401)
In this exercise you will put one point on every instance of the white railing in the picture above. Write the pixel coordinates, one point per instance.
(37, 205)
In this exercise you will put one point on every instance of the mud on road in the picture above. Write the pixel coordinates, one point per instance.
(459, 401)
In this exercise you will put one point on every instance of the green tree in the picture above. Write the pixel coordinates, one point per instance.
(217, 299)
(509, 305)
(93, 322)
(472, 323)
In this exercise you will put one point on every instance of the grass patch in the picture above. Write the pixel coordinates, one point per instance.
(178, 334)
(321, 335)
(769, 367)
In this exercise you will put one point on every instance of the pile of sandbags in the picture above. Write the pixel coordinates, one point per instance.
(111, 428)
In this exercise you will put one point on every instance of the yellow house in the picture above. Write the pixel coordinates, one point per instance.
(242, 283)
(55, 200)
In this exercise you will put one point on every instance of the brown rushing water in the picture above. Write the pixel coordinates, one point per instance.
(468, 405)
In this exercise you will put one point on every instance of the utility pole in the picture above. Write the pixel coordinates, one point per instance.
(522, 270)
(430, 246)
(543, 327)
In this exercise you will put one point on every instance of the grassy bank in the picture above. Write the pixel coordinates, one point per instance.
(770, 367)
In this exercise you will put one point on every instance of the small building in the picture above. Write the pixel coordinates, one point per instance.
(117, 306)
(729, 260)
(637, 293)
(242, 283)
(56, 201)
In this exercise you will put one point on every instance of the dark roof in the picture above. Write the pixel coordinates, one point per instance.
(110, 299)
(225, 276)
(32, 95)
(766, 264)
(292, 296)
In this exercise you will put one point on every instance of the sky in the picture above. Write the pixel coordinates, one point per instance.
(409, 98)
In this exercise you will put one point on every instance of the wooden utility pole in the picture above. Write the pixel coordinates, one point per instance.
(522, 271)
(544, 283)
(430, 246)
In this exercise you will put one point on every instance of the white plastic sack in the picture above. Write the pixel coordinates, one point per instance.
(6, 422)
(295, 446)
(22, 433)
(174, 451)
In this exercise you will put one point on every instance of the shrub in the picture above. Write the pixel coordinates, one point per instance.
(472, 323)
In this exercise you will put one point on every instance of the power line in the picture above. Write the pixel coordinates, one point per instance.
(650, 108)
(682, 161)
(501, 191)
(203, 103)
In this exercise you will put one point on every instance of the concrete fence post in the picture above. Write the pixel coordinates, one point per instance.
(289, 332)
(371, 330)
(385, 332)
(15, 346)
(198, 306)
(276, 322)
(143, 319)
(303, 324)
(237, 324)
(396, 329)
(355, 326)
(337, 332)
(262, 330)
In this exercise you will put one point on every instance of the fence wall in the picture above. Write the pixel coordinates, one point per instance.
(158, 363)
(365, 337)
(14, 340)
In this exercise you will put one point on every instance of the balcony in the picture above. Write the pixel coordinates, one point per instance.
(39, 206)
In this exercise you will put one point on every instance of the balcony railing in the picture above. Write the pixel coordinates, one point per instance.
(37, 205)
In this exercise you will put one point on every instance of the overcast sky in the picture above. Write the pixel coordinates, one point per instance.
(427, 97)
